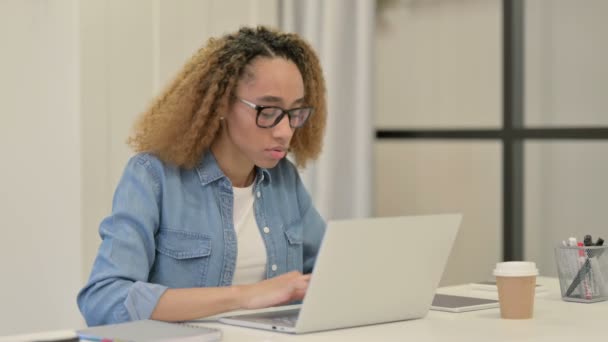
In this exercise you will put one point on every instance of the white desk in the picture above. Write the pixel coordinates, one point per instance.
(554, 320)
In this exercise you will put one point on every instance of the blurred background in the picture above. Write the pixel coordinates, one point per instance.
(496, 109)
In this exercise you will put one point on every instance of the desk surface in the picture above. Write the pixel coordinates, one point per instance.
(554, 320)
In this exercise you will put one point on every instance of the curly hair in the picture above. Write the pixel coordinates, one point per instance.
(184, 120)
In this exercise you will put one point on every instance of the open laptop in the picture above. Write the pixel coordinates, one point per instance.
(368, 271)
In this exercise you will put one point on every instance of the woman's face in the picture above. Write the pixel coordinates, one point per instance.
(266, 82)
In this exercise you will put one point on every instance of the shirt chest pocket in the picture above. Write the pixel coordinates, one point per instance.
(295, 252)
(182, 258)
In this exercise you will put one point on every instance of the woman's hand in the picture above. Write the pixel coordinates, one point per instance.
(275, 291)
(192, 303)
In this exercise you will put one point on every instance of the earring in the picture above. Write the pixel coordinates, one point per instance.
(221, 118)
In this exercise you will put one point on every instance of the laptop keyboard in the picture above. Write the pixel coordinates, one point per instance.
(280, 318)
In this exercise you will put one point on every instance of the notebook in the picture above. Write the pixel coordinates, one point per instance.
(368, 271)
(150, 331)
(43, 336)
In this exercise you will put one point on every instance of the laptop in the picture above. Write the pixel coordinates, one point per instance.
(368, 271)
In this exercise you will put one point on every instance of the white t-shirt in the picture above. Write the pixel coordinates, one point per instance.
(251, 251)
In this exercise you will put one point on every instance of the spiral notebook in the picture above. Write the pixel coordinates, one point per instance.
(150, 331)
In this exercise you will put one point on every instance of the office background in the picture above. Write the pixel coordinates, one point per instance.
(75, 74)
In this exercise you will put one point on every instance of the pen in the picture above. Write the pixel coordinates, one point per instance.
(597, 277)
(573, 265)
(577, 279)
(588, 241)
(583, 261)
(589, 289)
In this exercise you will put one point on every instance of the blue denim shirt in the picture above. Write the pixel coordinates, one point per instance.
(172, 228)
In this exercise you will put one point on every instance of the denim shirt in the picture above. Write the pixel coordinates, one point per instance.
(172, 227)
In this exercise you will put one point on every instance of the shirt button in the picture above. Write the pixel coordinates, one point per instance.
(274, 267)
(259, 194)
(266, 230)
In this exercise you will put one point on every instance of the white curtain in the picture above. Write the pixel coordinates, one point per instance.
(341, 31)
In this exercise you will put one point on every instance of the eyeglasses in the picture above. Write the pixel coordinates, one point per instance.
(270, 116)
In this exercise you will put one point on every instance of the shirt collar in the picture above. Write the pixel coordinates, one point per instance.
(209, 171)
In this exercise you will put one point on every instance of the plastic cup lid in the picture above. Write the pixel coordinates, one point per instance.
(515, 269)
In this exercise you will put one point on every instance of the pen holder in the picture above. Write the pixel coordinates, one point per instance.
(583, 273)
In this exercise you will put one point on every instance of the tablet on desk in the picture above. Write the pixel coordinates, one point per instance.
(451, 303)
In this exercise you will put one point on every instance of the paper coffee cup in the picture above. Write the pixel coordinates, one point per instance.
(516, 282)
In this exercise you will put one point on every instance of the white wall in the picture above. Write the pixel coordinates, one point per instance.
(40, 255)
(439, 64)
(422, 178)
(566, 71)
(566, 81)
(439, 67)
(75, 74)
